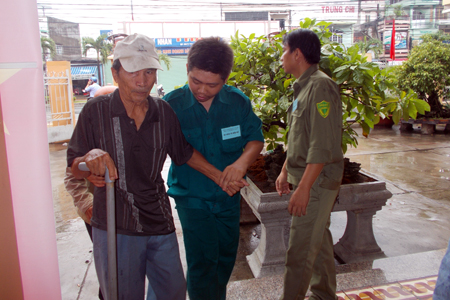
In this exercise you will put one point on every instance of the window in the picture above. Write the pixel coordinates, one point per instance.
(336, 37)
(367, 18)
(394, 1)
(418, 15)
(59, 49)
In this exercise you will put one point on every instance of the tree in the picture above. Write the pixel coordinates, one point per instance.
(101, 45)
(438, 36)
(48, 46)
(166, 60)
(427, 72)
(398, 10)
(372, 44)
(367, 92)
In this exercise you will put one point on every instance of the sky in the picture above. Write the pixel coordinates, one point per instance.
(97, 15)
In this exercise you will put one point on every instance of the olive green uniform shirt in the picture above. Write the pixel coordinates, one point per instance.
(315, 129)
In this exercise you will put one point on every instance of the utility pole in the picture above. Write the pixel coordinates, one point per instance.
(359, 12)
(132, 15)
(43, 9)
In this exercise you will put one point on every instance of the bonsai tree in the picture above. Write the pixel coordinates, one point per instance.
(427, 72)
(367, 92)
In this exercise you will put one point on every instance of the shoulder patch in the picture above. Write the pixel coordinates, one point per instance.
(323, 108)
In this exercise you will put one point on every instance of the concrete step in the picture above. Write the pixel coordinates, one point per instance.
(368, 274)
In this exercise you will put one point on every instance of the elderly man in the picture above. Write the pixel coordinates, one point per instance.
(314, 166)
(133, 131)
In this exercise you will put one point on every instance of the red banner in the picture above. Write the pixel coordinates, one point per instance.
(393, 41)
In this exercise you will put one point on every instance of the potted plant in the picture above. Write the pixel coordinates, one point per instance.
(427, 72)
(368, 95)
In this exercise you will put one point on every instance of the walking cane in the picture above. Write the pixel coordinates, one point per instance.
(111, 233)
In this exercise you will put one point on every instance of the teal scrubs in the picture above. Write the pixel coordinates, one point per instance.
(209, 217)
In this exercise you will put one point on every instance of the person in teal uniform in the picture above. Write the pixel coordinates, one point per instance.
(218, 121)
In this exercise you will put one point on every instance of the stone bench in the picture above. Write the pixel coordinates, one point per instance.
(428, 126)
(361, 201)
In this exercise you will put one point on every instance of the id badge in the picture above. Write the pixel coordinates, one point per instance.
(294, 105)
(231, 132)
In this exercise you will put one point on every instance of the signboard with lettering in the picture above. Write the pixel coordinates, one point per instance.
(338, 9)
(173, 51)
(174, 42)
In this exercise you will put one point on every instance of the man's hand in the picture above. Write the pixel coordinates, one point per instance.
(88, 213)
(298, 202)
(232, 174)
(281, 183)
(300, 198)
(97, 161)
(235, 186)
(232, 178)
(98, 181)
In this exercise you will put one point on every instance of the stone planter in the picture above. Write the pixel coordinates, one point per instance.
(360, 200)
(428, 126)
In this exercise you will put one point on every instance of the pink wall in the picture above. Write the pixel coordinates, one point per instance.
(25, 147)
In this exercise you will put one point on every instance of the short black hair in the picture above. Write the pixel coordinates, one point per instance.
(116, 65)
(307, 41)
(212, 55)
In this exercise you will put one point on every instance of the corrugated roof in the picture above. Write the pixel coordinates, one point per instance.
(83, 72)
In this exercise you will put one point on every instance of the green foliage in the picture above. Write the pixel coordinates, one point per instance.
(48, 45)
(367, 93)
(372, 44)
(427, 72)
(438, 36)
(102, 46)
(164, 58)
(397, 10)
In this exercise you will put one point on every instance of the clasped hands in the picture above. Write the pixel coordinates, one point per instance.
(231, 179)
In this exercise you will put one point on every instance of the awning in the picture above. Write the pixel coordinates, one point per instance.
(83, 72)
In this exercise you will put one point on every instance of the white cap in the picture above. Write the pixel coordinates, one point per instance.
(137, 52)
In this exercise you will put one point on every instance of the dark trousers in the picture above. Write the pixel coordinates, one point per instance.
(211, 239)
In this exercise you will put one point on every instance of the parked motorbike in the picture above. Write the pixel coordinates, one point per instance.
(160, 91)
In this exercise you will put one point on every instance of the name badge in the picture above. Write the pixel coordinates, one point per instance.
(231, 132)
(294, 105)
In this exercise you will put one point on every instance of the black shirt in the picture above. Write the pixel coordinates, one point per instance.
(142, 204)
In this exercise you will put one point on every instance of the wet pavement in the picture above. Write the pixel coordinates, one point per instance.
(412, 229)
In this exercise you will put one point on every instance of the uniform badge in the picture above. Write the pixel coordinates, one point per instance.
(323, 108)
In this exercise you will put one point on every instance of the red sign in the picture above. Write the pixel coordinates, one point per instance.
(338, 9)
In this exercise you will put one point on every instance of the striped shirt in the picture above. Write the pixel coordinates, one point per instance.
(142, 204)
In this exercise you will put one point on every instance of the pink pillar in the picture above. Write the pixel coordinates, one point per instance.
(28, 255)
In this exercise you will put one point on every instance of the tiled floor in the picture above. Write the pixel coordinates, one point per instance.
(421, 288)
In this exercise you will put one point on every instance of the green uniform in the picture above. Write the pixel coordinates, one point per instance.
(315, 122)
(209, 217)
